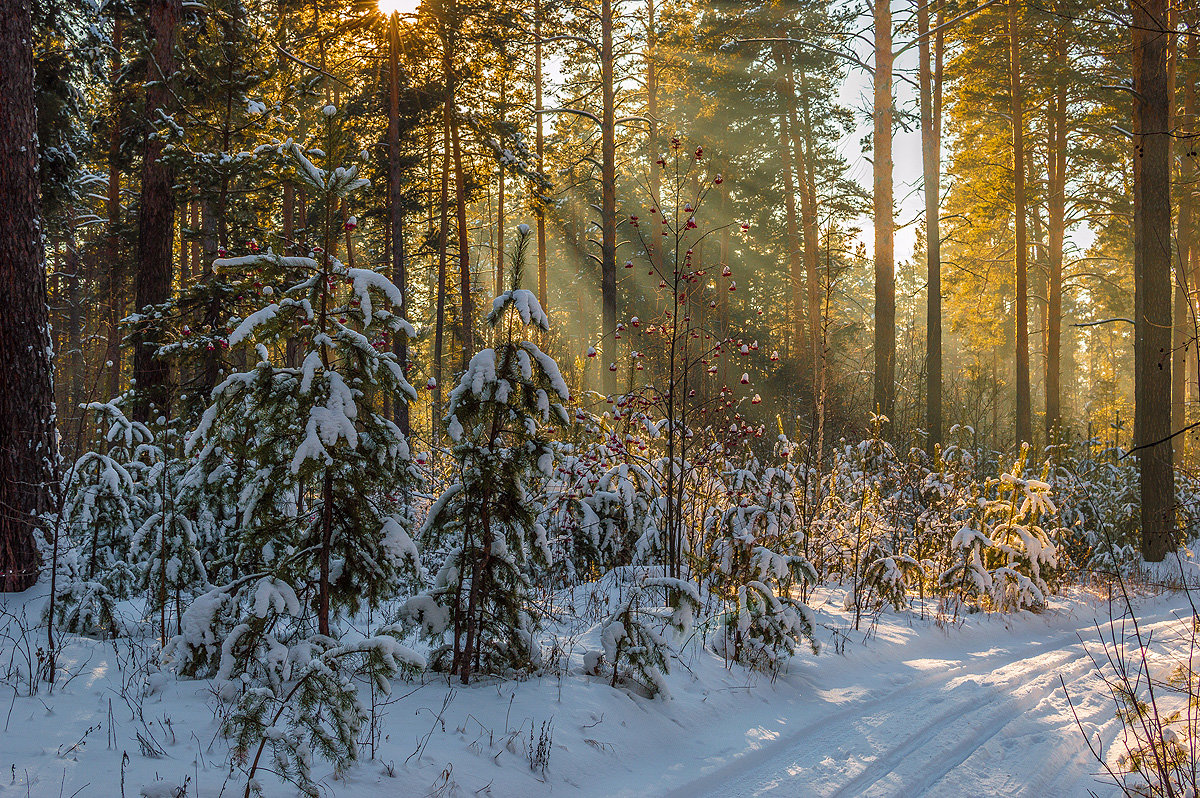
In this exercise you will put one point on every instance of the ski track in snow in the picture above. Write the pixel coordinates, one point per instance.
(976, 709)
(995, 722)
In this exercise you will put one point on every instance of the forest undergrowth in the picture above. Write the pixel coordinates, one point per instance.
(280, 540)
(581, 572)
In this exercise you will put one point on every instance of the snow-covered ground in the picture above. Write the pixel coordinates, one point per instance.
(909, 707)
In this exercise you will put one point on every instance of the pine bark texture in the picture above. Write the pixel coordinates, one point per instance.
(931, 168)
(1152, 276)
(156, 215)
(28, 458)
(608, 190)
(1056, 206)
(396, 211)
(1024, 425)
(884, 393)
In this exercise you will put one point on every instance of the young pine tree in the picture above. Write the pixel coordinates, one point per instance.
(320, 511)
(319, 518)
(107, 497)
(488, 519)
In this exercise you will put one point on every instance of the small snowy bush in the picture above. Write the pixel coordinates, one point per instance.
(757, 561)
(646, 610)
(1004, 556)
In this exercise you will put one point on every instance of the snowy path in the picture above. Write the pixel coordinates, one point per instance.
(974, 710)
(943, 720)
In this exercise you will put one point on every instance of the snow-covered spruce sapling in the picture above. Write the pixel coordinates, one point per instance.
(105, 502)
(322, 502)
(320, 527)
(316, 710)
(167, 545)
(479, 609)
(607, 507)
(756, 556)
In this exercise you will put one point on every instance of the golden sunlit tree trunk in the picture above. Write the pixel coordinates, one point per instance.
(608, 191)
(1152, 276)
(1056, 211)
(932, 172)
(1024, 429)
(804, 156)
(439, 332)
(467, 312)
(791, 222)
(1190, 160)
(1181, 335)
(500, 221)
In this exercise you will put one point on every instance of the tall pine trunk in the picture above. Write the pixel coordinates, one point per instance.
(932, 172)
(652, 138)
(884, 388)
(791, 221)
(1024, 429)
(1182, 335)
(116, 274)
(467, 313)
(812, 233)
(500, 220)
(1191, 173)
(396, 212)
(1152, 276)
(541, 154)
(608, 192)
(28, 453)
(1056, 205)
(804, 158)
(156, 216)
(439, 333)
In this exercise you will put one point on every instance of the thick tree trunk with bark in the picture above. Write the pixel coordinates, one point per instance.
(884, 389)
(28, 453)
(1152, 276)
(156, 216)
